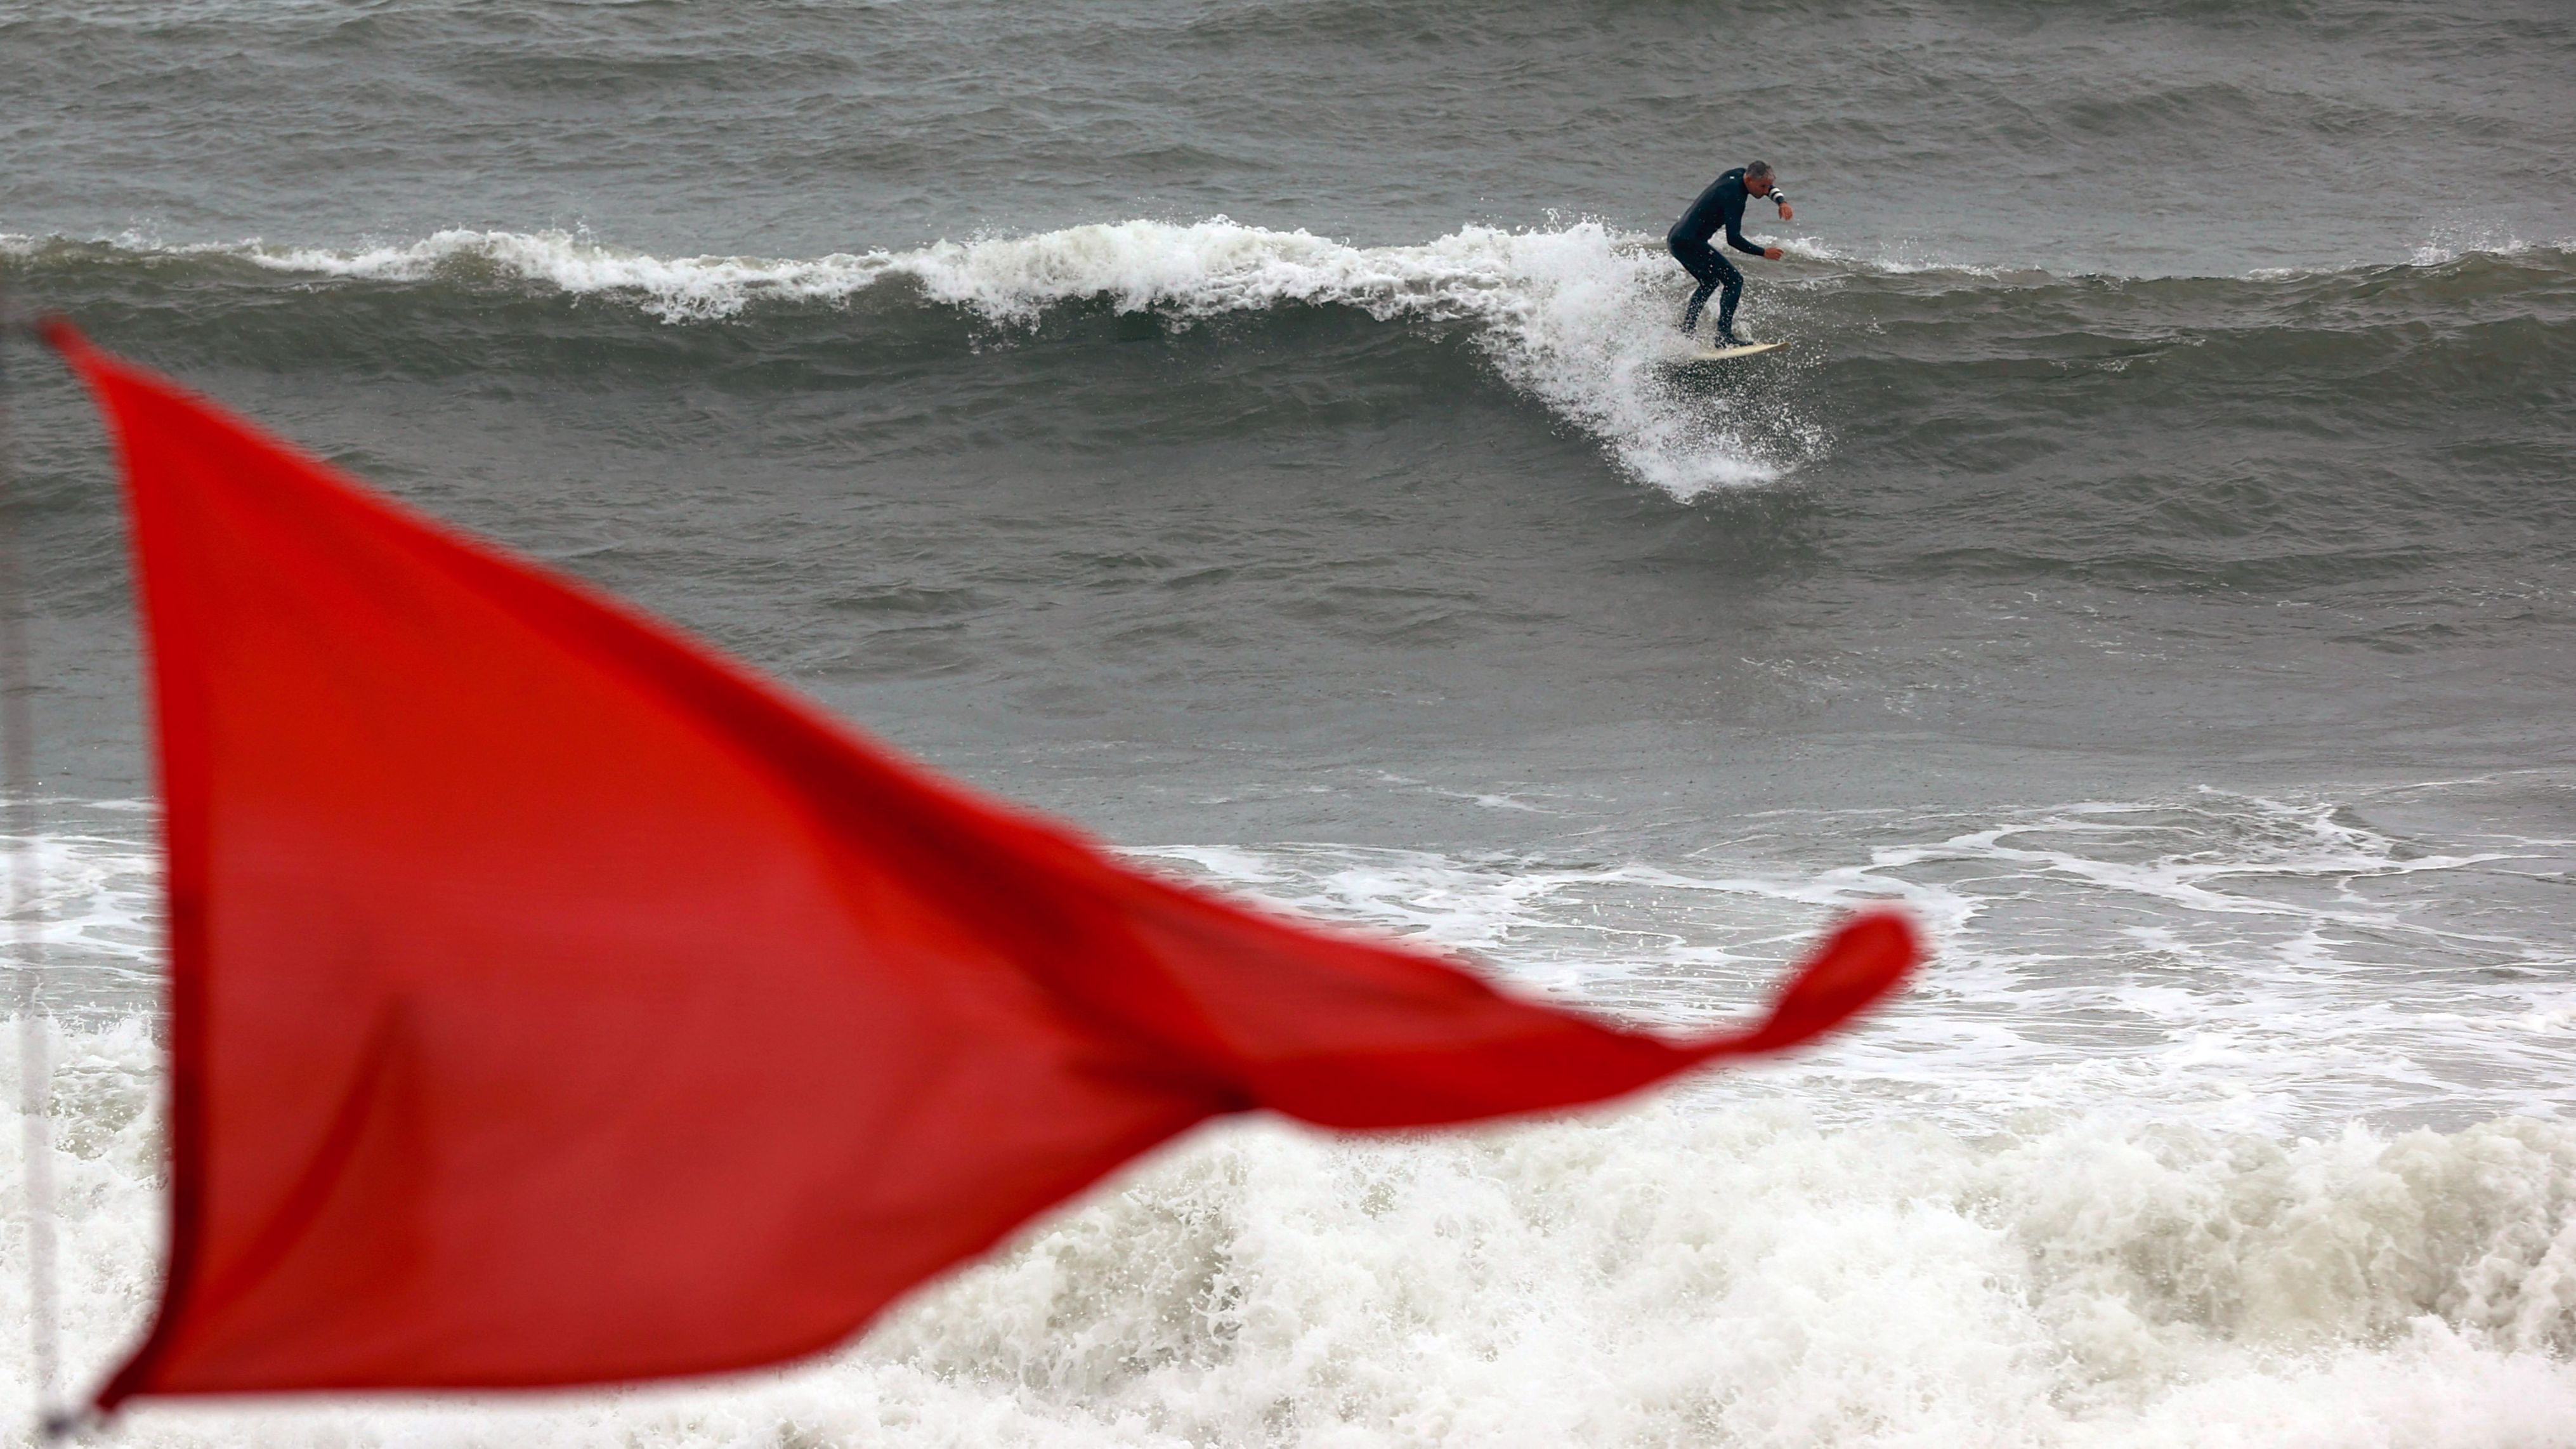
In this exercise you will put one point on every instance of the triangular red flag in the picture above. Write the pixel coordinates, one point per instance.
(553, 1001)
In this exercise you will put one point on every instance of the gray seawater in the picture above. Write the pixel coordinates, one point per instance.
(1251, 431)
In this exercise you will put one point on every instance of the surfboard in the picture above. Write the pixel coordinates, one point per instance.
(1719, 354)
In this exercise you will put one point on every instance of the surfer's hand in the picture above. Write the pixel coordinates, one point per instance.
(1786, 214)
(1772, 252)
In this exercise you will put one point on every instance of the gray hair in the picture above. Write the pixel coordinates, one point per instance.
(1757, 170)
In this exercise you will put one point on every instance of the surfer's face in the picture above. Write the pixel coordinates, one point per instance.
(1757, 185)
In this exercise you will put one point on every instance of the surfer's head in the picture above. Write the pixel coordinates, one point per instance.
(1757, 178)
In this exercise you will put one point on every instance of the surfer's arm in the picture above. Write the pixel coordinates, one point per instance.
(1735, 237)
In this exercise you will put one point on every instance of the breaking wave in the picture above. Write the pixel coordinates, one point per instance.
(1577, 317)
(1656, 1277)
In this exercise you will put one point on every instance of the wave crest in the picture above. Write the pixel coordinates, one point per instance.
(1578, 316)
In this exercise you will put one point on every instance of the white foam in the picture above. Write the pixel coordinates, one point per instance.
(675, 289)
(96, 910)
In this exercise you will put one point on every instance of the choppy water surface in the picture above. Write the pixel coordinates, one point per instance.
(1251, 430)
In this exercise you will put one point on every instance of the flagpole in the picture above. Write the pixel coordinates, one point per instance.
(25, 938)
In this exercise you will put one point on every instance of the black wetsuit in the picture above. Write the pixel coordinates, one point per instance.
(1722, 205)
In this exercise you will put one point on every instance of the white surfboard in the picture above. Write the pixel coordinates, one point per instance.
(1718, 354)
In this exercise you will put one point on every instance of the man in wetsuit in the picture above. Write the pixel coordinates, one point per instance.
(1722, 205)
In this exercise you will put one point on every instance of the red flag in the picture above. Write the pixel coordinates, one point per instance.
(554, 1001)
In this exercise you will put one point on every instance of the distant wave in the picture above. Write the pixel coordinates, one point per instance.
(1198, 269)
(1576, 316)
(2438, 249)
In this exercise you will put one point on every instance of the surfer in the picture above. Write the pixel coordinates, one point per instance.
(1722, 205)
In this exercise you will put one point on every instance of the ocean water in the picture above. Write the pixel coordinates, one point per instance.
(1248, 428)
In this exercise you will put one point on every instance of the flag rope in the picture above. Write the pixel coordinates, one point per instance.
(25, 937)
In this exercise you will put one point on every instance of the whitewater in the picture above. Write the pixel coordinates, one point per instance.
(2069, 1193)
(1657, 1277)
